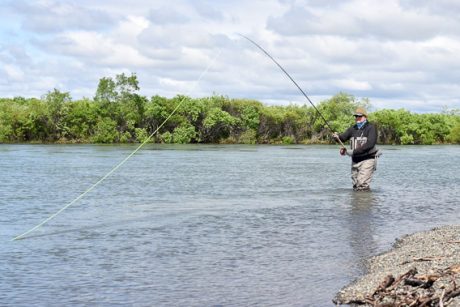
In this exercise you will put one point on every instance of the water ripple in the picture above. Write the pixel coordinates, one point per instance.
(208, 225)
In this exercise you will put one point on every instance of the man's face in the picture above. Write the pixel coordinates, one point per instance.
(359, 118)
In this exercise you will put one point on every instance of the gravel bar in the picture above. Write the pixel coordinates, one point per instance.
(422, 269)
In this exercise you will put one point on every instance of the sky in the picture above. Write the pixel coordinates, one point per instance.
(396, 53)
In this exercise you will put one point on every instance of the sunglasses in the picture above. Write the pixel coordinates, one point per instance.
(357, 116)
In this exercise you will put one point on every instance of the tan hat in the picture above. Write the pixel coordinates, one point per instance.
(360, 111)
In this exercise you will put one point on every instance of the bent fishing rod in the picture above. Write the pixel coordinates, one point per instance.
(293, 81)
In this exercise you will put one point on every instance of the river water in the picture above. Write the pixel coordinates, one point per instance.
(204, 225)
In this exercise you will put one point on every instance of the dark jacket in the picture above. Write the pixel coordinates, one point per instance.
(362, 141)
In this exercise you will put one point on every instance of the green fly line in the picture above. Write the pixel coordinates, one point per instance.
(21, 236)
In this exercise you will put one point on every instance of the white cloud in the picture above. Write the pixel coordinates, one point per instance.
(129, 28)
(353, 84)
(383, 20)
(13, 73)
(167, 15)
(398, 53)
(96, 49)
(53, 15)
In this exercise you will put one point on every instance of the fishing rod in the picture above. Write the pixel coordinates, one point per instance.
(293, 81)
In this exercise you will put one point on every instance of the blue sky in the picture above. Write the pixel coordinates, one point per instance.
(397, 53)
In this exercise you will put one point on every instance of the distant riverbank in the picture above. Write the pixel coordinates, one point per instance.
(117, 114)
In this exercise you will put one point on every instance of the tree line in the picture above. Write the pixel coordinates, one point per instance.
(118, 114)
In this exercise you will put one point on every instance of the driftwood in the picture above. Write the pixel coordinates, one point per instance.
(412, 289)
(421, 259)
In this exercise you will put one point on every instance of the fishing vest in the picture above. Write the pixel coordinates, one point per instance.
(362, 141)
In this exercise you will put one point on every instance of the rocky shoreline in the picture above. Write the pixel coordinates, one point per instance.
(422, 269)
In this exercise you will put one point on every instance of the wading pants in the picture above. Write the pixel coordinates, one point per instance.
(361, 174)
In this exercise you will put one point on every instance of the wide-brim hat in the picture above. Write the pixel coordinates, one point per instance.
(360, 112)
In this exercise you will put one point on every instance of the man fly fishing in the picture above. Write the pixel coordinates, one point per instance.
(363, 137)
(363, 153)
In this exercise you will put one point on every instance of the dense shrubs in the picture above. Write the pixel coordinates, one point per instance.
(118, 114)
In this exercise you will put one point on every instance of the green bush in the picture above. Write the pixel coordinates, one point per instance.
(454, 135)
(141, 134)
(248, 137)
(184, 134)
(167, 137)
(105, 132)
(407, 139)
(117, 113)
(287, 140)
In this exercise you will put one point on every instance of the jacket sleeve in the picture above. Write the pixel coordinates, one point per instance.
(346, 135)
(371, 141)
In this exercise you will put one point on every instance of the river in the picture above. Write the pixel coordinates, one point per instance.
(207, 225)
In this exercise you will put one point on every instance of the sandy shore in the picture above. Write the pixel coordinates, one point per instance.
(422, 269)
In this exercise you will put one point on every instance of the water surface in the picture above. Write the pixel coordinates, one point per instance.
(203, 225)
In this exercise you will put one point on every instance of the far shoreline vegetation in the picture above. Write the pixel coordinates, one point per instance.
(118, 114)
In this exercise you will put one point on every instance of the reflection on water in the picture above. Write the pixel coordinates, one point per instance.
(207, 225)
(361, 225)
